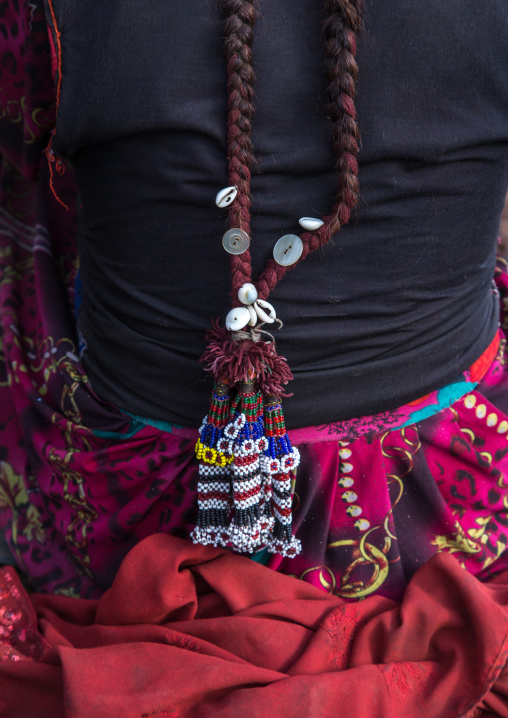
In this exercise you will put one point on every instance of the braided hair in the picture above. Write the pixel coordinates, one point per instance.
(239, 19)
(342, 26)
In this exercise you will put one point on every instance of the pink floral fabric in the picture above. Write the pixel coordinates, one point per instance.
(81, 482)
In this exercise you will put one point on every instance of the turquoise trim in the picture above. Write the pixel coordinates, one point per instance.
(133, 429)
(136, 424)
(446, 396)
(145, 421)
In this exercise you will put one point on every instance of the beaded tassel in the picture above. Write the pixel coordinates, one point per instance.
(214, 484)
(249, 526)
(246, 458)
(279, 460)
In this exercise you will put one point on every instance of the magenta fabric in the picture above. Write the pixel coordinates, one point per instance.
(81, 483)
(369, 512)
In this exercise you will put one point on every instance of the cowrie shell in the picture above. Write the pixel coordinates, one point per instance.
(253, 316)
(260, 305)
(237, 319)
(225, 196)
(247, 293)
(310, 223)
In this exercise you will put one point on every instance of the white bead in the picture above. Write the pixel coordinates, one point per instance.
(226, 196)
(310, 223)
(354, 510)
(268, 317)
(237, 319)
(288, 250)
(247, 293)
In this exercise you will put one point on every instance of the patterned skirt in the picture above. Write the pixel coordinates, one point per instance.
(81, 482)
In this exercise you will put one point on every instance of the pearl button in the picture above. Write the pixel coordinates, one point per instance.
(226, 196)
(235, 241)
(288, 250)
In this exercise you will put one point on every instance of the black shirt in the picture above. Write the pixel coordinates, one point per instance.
(398, 304)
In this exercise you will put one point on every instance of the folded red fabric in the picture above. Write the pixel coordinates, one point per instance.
(188, 631)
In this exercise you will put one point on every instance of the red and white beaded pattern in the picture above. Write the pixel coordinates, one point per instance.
(279, 474)
(246, 535)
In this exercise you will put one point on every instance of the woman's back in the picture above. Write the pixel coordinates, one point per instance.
(398, 304)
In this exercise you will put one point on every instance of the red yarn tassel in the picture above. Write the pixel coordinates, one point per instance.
(237, 361)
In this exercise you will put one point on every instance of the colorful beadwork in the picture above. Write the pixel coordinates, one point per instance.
(280, 460)
(214, 481)
(246, 460)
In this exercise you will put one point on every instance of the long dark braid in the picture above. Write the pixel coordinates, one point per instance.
(342, 26)
(239, 19)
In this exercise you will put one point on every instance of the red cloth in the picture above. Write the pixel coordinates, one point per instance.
(188, 631)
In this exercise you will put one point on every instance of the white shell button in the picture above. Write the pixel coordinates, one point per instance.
(226, 196)
(247, 293)
(237, 319)
(288, 250)
(235, 241)
(310, 223)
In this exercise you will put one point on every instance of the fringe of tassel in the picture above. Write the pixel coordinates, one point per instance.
(245, 469)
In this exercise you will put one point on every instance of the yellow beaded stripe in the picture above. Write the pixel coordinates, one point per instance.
(211, 456)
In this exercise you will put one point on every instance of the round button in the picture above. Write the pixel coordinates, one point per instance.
(288, 250)
(235, 241)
